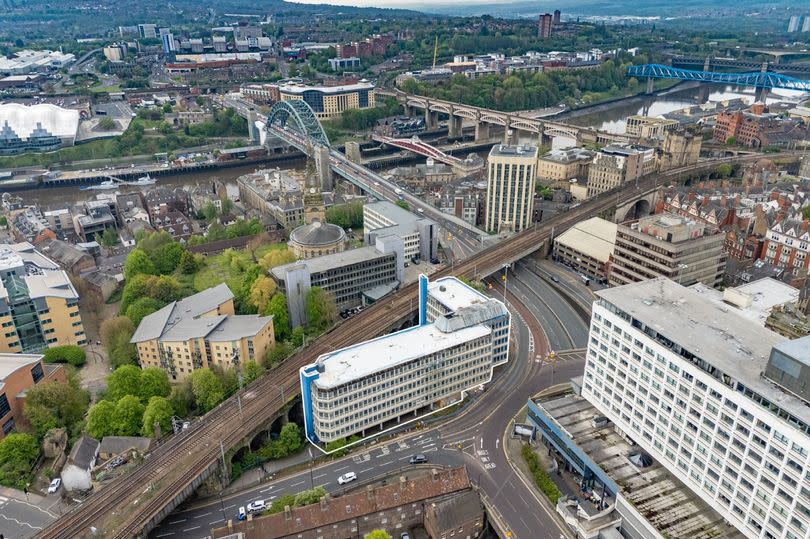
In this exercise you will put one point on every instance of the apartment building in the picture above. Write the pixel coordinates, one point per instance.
(18, 373)
(712, 396)
(330, 101)
(201, 331)
(617, 164)
(512, 172)
(419, 234)
(379, 383)
(678, 149)
(562, 166)
(354, 277)
(787, 245)
(587, 247)
(39, 307)
(448, 295)
(668, 245)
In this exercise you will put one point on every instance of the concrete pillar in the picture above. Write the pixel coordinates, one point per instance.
(481, 131)
(649, 85)
(762, 94)
(707, 64)
(508, 133)
(353, 152)
(407, 110)
(454, 125)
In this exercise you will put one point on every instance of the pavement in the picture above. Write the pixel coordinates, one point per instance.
(22, 516)
(473, 438)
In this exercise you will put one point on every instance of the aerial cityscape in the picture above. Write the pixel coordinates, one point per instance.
(351, 269)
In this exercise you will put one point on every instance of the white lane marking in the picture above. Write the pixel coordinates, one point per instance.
(203, 515)
(386, 463)
(190, 529)
(298, 483)
(267, 489)
(341, 468)
(165, 534)
(178, 521)
(366, 470)
(317, 476)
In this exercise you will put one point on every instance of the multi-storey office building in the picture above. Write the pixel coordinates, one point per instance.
(18, 373)
(201, 331)
(448, 295)
(39, 307)
(378, 383)
(561, 166)
(668, 245)
(419, 234)
(512, 171)
(331, 101)
(616, 164)
(716, 398)
(353, 277)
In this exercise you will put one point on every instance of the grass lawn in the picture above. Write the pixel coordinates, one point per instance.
(108, 89)
(217, 269)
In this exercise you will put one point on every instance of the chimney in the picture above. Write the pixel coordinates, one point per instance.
(287, 513)
(402, 482)
(324, 502)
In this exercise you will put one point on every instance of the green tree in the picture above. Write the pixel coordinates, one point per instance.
(321, 308)
(731, 141)
(276, 257)
(806, 212)
(167, 108)
(227, 207)
(56, 404)
(261, 291)
(377, 534)
(346, 215)
(128, 416)
(109, 237)
(207, 389)
(159, 410)
(154, 383)
(3, 221)
(18, 452)
(209, 211)
(188, 264)
(107, 124)
(167, 257)
(277, 308)
(115, 334)
(402, 204)
(278, 505)
(100, 420)
(150, 242)
(123, 381)
(309, 497)
(251, 371)
(181, 398)
(276, 354)
(66, 353)
(724, 170)
(291, 438)
(138, 263)
(143, 307)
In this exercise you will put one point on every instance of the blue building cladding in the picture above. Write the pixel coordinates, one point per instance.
(308, 375)
(362, 97)
(423, 294)
(566, 447)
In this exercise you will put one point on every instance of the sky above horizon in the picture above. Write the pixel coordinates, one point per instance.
(398, 3)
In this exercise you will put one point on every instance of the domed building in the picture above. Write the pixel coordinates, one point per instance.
(316, 239)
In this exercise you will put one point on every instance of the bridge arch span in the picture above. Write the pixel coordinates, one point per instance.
(500, 120)
(531, 127)
(465, 113)
(302, 116)
(440, 107)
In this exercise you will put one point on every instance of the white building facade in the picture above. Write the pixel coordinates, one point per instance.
(510, 187)
(684, 378)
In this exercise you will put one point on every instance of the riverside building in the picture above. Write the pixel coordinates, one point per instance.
(714, 397)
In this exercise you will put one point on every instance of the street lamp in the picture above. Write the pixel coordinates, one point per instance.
(505, 274)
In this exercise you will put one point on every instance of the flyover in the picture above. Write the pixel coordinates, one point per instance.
(135, 503)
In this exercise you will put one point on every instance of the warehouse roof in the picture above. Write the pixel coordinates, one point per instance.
(595, 238)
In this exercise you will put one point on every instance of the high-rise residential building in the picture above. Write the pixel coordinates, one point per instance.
(616, 164)
(39, 307)
(18, 373)
(512, 172)
(148, 31)
(556, 18)
(668, 245)
(793, 24)
(201, 331)
(169, 43)
(544, 25)
(806, 24)
(712, 396)
(375, 385)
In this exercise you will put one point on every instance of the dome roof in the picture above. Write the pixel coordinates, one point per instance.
(317, 233)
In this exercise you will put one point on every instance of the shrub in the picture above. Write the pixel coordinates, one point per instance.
(541, 478)
(68, 353)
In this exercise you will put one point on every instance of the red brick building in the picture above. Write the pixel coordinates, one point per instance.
(787, 245)
(18, 373)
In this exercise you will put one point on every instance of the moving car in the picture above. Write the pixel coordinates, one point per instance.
(418, 459)
(54, 486)
(257, 505)
(348, 477)
(555, 278)
(242, 513)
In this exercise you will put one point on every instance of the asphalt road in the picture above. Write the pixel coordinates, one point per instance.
(20, 518)
(472, 438)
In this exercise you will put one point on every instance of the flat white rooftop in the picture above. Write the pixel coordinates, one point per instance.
(11, 362)
(753, 300)
(361, 360)
(454, 294)
(732, 343)
(594, 237)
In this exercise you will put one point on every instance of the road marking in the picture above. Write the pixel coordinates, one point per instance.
(165, 534)
(430, 445)
(190, 529)
(366, 470)
(386, 463)
(271, 487)
(217, 520)
(298, 483)
(322, 475)
(341, 468)
(203, 515)
(226, 507)
(179, 521)
(383, 452)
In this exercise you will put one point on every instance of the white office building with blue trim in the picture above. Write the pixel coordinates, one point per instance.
(376, 385)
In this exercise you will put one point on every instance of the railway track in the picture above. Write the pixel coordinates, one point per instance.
(129, 506)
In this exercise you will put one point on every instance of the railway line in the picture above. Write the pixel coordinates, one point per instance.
(134, 503)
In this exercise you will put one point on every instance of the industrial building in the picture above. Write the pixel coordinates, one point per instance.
(668, 245)
(712, 396)
(376, 384)
(39, 307)
(201, 331)
(331, 101)
(355, 277)
(587, 247)
(512, 172)
(419, 234)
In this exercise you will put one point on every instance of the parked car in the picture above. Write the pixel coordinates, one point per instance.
(404, 535)
(348, 477)
(418, 459)
(55, 484)
(255, 506)
(242, 513)
(435, 261)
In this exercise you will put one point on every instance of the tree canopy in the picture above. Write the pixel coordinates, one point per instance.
(56, 404)
(18, 452)
(277, 308)
(159, 410)
(207, 389)
(115, 334)
(67, 353)
(321, 308)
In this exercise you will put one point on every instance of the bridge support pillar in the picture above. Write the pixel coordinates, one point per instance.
(407, 110)
(454, 124)
(481, 131)
(323, 168)
(762, 94)
(707, 64)
(649, 85)
(431, 119)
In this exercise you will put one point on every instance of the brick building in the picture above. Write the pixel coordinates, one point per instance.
(18, 373)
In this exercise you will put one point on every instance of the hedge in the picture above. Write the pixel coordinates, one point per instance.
(68, 353)
(541, 478)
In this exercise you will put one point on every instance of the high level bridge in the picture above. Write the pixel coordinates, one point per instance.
(134, 503)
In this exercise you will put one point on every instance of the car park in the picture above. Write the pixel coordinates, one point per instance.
(54, 486)
(348, 477)
(255, 506)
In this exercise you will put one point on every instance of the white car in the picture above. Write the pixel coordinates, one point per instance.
(54, 486)
(348, 477)
(258, 505)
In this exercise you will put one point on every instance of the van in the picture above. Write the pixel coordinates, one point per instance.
(242, 514)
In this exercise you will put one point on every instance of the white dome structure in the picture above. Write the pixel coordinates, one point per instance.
(25, 121)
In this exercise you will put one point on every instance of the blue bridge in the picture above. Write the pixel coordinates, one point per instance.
(757, 80)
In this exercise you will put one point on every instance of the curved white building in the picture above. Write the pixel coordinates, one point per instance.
(37, 127)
